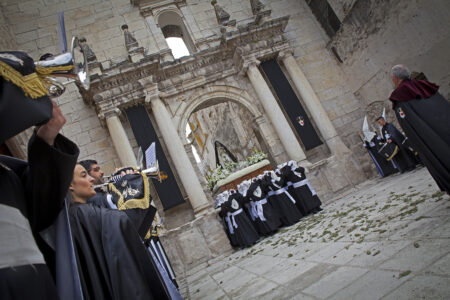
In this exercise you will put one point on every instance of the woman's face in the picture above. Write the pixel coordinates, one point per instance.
(82, 184)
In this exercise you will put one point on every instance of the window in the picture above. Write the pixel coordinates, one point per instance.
(177, 46)
(176, 34)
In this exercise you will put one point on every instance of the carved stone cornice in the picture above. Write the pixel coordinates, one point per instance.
(123, 84)
(285, 53)
(245, 62)
(114, 112)
(149, 7)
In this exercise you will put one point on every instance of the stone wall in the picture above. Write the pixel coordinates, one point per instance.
(375, 37)
(195, 242)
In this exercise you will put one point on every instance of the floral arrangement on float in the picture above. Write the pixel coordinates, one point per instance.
(222, 172)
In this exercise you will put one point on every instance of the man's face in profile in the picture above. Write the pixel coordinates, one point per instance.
(381, 122)
(96, 173)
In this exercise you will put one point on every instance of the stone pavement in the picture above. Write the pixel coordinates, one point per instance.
(388, 238)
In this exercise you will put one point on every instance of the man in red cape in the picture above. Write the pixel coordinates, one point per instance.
(423, 114)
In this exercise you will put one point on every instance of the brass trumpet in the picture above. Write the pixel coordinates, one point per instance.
(66, 65)
(152, 172)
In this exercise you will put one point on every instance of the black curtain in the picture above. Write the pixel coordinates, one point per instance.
(145, 134)
(291, 104)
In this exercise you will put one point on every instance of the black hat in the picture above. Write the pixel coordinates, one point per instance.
(23, 95)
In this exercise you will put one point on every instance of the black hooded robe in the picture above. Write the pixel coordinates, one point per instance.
(244, 234)
(271, 221)
(281, 200)
(306, 199)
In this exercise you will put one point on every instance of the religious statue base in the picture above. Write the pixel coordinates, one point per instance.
(232, 181)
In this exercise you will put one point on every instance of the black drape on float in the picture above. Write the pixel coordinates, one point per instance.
(291, 104)
(426, 122)
(168, 190)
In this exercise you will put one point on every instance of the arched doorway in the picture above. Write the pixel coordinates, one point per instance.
(224, 116)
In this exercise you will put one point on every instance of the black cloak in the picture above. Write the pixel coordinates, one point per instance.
(107, 246)
(36, 188)
(426, 122)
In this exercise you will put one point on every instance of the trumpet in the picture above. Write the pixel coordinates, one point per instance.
(152, 172)
(65, 65)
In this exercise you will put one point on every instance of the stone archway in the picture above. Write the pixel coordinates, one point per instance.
(242, 134)
(215, 95)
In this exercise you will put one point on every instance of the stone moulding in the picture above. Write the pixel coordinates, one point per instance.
(265, 39)
(151, 7)
(202, 96)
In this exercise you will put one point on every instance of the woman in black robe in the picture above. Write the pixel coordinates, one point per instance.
(224, 209)
(280, 199)
(240, 228)
(306, 198)
(424, 116)
(112, 260)
(265, 218)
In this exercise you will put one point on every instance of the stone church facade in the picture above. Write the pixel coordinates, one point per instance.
(335, 55)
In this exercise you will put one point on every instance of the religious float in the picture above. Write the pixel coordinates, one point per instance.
(229, 174)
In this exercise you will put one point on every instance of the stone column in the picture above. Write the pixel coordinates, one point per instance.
(273, 110)
(120, 139)
(313, 104)
(184, 168)
(278, 152)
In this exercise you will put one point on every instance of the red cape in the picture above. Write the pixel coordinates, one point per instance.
(413, 89)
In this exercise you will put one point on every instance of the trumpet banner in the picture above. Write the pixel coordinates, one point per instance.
(131, 193)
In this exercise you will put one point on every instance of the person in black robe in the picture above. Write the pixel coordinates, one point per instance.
(264, 216)
(404, 159)
(223, 214)
(424, 116)
(240, 228)
(112, 259)
(384, 167)
(306, 198)
(32, 192)
(280, 199)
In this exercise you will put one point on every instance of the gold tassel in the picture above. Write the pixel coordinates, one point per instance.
(31, 84)
(49, 70)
